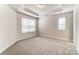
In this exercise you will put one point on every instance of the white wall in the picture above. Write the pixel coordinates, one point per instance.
(8, 33)
(48, 26)
(10, 27)
(77, 33)
(25, 35)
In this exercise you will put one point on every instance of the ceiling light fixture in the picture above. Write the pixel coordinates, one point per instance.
(40, 5)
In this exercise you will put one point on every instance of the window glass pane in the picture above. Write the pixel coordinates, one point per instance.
(61, 23)
(27, 25)
(32, 25)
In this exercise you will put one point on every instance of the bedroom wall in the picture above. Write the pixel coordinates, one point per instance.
(77, 23)
(21, 35)
(48, 26)
(8, 28)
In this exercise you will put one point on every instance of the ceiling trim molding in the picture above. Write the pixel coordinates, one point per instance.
(26, 14)
(61, 12)
(31, 11)
(17, 11)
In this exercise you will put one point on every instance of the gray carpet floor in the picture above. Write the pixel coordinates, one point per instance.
(41, 46)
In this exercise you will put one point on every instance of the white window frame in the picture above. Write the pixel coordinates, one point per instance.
(62, 23)
(26, 20)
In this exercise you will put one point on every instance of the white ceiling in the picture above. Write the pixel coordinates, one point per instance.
(45, 10)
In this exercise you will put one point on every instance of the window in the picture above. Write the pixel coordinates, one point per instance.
(61, 23)
(28, 25)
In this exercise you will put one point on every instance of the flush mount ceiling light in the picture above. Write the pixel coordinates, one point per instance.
(40, 5)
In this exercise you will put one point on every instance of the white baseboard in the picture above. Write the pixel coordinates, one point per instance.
(57, 38)
(15, 42)
(27, 38)
(7, 46)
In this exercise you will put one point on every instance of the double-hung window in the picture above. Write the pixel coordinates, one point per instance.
(27, 25)
(62, 23)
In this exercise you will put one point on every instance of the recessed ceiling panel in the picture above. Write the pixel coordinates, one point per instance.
(43, 9)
